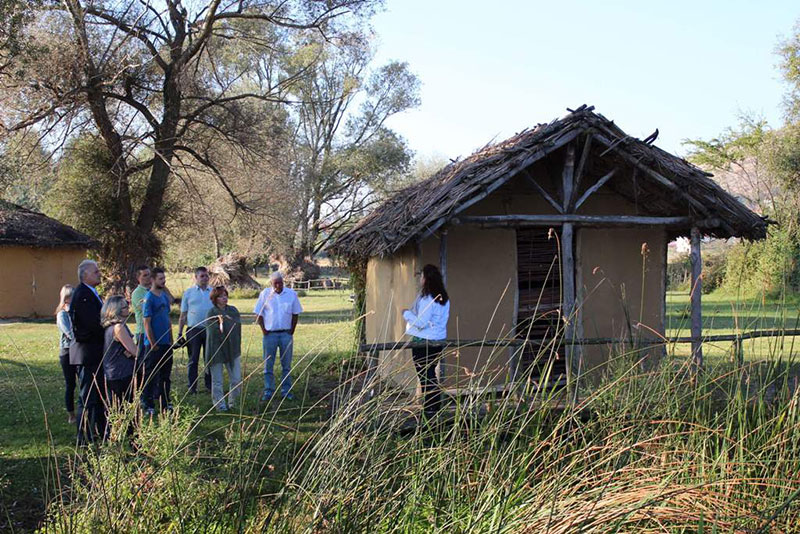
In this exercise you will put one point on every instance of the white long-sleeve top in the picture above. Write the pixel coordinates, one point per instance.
(427, 319)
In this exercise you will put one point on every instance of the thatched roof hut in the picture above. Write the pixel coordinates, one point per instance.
(563, 224)
(38, 255)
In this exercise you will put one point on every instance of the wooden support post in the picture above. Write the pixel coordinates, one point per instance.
(567, 177)
(696, 296)
(441, 366)
(738, 348)
(579, 171)
(443, 256)
(568, 301)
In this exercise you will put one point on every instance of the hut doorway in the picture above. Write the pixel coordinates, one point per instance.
(539, 304)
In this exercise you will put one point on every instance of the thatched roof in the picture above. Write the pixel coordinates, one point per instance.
(665, 185)
(27, 228)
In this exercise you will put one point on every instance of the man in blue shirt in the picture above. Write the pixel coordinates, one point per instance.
(195, 303)
(158, 343)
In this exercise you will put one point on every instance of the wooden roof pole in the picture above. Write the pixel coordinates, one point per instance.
(696, 297)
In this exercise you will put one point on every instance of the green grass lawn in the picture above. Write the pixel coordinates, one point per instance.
(726, 314)
(34, 428)
(35, 434)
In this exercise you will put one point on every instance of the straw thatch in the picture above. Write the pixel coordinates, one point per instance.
(27, 228)
(662, 185)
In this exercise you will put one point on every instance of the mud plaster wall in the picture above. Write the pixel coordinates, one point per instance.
(482, 282)
(32, 278)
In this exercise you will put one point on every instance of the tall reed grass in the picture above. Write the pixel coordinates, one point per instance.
(649, 446)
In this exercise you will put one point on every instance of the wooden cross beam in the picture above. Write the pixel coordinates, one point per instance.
(589, 192)
(597, 221)
(550, 200)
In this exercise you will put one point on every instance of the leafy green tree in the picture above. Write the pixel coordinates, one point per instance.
(762, 166)
(343, 155)
(151, 81)
(26, 171)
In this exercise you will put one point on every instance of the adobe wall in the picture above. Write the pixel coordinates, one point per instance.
(482, 283)
(32, 279)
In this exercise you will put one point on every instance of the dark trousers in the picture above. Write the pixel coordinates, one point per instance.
(119, 390)
(70, 379)
(425, 360)
(92, 407)
(195, 341)
(158, 377)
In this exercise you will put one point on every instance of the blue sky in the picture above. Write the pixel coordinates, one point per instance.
(490, 69)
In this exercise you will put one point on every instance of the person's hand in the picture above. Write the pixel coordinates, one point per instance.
(291, 332)
(264, 331)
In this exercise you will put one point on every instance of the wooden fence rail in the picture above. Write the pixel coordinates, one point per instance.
(321, 283)
(455, 343)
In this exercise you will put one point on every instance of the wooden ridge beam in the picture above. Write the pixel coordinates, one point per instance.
(511, 221)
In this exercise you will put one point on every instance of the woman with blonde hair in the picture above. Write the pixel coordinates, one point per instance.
(65, 330)
(119, 350)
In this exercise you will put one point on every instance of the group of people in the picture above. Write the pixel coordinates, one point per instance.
(110, 365)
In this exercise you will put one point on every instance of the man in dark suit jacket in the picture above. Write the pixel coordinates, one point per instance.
(87, 352)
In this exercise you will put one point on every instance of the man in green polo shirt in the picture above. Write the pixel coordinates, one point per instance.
(137, 298)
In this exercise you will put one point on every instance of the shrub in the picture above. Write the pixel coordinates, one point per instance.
(769, 266)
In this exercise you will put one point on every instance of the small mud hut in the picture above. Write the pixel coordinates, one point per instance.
(558, 232)
(37, 256)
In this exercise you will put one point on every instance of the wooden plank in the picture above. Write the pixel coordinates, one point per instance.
(567, 177)
(589, 192)
(696, 297)
(550, 200)
(579, 171)
(516, 221)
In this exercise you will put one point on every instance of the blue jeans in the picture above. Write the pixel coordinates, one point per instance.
(271, 343)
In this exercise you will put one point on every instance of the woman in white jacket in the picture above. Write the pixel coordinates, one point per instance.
(426, 321)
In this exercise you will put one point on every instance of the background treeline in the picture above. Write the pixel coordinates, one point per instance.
(177, 133)
(761, 165)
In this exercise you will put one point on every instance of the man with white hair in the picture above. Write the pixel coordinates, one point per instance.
(277, 311)
(86, 351)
